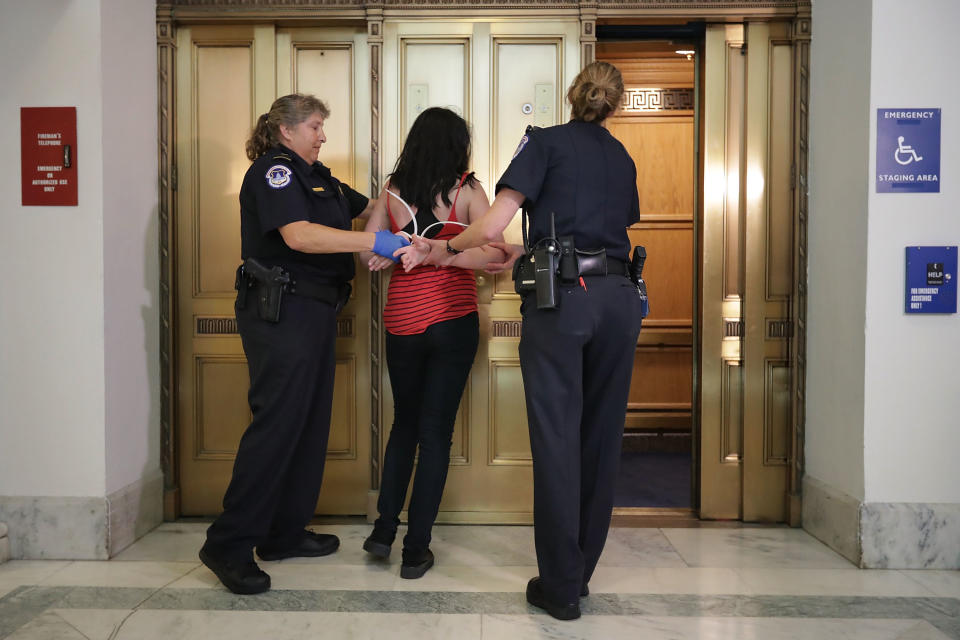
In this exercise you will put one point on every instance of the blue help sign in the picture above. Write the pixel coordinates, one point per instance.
(908, 150)
(931, 282)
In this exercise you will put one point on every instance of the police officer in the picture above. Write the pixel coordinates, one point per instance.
(577, 358)
(295, 241)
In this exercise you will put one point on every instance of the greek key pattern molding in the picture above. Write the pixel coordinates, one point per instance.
(642, 99)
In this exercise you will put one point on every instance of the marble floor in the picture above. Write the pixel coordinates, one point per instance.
(767, 583)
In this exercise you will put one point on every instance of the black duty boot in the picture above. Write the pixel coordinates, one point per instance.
(311, 545)
(379, 541)
(240, 576)
(536, 597)
(416, 562)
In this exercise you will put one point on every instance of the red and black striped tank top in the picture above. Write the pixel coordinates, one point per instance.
(427, 294)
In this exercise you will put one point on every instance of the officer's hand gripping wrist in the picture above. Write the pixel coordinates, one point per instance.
(385, 243)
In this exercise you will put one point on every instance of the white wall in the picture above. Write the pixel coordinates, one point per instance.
(130, 233)
(51, 313)
(837, 257)
(912, 402)
(79, 320)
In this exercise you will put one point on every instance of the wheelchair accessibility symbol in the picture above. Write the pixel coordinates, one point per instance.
(905, 154)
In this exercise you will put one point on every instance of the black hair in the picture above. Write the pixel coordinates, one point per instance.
(434, 156)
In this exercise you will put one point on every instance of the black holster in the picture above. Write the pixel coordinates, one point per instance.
(636, 275)
(270, 284)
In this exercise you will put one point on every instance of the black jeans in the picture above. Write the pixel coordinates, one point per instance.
(428, 372)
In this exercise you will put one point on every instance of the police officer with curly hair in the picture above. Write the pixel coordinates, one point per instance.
(578, 182)
(297, 246)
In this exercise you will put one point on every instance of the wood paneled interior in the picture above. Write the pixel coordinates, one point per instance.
(668, 273)
(661, 144)
(662, 148)
(663, 374)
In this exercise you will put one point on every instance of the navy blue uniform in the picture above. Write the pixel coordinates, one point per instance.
(279, 463)
(577, 359)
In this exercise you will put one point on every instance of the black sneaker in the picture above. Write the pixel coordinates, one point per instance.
(584, 591)
(415, 563)
(379, 541)
(538, 598)
(239, 576)
(311, 545)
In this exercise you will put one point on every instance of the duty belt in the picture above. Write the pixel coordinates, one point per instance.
(590, 263)
(271, 282)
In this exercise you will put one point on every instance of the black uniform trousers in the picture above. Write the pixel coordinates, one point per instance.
(279, 464)
(576, 363)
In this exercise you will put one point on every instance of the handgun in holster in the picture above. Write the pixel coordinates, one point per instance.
(636, 275)
(242, 284)
(271, 283)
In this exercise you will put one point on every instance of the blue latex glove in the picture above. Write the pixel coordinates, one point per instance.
(386, 243)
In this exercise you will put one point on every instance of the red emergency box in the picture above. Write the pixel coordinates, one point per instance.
(48, 155)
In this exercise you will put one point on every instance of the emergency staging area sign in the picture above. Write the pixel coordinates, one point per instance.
(908, 150)
(48, 166)
(931, 280)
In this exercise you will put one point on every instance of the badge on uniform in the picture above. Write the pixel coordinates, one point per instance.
(523, 142)
(278, 176)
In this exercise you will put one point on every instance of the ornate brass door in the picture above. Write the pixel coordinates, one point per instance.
(747, 272)
(501, 76)
(226, 77)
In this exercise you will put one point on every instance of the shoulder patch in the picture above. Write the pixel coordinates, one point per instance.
(278, 176)
(523, 142)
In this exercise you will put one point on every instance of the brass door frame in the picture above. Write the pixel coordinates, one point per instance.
(301, 13)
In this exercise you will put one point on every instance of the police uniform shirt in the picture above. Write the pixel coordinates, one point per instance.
(280, 188)
(585, 177)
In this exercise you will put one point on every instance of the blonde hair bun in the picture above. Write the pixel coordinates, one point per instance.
(596, 92)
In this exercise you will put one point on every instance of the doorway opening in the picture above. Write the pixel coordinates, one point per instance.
(658, 125)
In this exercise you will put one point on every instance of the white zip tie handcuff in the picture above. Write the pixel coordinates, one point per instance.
(414, 218)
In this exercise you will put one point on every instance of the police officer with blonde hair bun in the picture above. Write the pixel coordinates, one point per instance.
(296, 245)
(580, 324)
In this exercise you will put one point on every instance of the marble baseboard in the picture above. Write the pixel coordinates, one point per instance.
(55, 528)
(134, 511)
(833, 517)
(910, 535)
